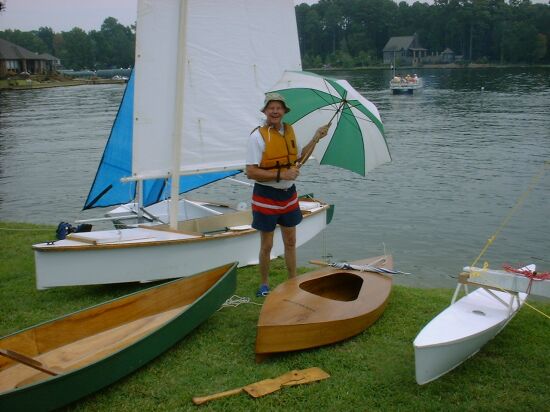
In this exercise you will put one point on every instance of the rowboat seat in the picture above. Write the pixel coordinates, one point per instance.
(340, 286)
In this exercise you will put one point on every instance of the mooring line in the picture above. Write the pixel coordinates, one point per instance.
(516, 207)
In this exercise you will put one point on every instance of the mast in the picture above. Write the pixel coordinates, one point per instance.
(178, 121)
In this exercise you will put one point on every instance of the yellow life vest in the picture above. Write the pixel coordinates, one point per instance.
(280, 151)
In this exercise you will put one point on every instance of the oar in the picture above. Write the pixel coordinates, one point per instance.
(267, 386)
(27, 360)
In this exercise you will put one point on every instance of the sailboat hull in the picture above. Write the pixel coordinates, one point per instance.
(148, 254)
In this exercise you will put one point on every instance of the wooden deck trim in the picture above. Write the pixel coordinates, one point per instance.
(47, 249)
(166, 228)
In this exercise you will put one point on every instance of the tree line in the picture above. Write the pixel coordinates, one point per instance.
(110, 47)
(354, 32)
(346, 33)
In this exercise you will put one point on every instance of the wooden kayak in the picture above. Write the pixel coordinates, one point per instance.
(54, 363)
(322, 307)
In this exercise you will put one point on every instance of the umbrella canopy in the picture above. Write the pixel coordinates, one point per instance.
(356, 136)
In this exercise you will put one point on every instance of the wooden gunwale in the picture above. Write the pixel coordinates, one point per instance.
(202, 238)
(112, 333)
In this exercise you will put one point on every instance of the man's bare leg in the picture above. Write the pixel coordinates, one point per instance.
(266, 245)
(289, 240)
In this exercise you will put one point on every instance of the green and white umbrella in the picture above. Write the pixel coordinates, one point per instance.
(355, 140)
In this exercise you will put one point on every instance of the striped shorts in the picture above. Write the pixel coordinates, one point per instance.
(272, 206)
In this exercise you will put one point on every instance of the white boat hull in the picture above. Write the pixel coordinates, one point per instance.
(406, 87)
(460, 331)
(148, 254)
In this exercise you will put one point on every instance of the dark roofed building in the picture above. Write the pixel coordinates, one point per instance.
(404, 50)
(16, 59)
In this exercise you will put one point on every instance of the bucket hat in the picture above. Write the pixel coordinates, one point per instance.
(274, 97)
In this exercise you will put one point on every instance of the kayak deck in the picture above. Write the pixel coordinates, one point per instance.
(321, 307)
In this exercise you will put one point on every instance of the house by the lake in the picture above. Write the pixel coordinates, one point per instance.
(15, 59)
(407, 51)
(404, 50)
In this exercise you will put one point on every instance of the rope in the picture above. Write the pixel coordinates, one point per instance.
(9, 229)
(530, 274)
(516, 207)
(237, 300)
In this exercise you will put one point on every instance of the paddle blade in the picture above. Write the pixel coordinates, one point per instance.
(295, 377)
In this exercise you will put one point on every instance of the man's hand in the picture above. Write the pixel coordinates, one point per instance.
(290, 174)
(321, 132)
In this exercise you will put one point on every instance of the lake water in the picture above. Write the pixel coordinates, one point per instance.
(464, 150)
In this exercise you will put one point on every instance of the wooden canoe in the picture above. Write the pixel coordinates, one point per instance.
(92, 348)
(322, 307)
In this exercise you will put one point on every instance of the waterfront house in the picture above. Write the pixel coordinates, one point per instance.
(15, 59)
(404, 50)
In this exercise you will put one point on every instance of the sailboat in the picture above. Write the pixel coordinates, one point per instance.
(151, 195)
(201, 71)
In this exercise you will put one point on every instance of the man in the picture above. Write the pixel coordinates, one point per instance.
(273, 162)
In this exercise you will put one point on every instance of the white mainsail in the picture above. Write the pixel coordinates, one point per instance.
(235, 51)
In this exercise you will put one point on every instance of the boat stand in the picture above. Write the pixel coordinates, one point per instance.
(465, 279)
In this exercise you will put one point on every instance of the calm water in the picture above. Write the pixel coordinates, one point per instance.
(462, 156)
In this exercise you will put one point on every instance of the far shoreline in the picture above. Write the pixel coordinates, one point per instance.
(33, 84)
(436, 66)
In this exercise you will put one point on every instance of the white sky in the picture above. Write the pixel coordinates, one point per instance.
(63, 15)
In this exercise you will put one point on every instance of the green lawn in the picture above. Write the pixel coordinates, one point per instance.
(371, 372)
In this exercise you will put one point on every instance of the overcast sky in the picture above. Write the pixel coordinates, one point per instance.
(63, 15)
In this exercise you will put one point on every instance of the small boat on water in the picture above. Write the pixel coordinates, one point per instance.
(322, 307)
(52, 364)
(406, 84)
(459, 332)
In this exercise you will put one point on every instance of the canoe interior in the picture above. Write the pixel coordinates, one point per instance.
(84, 337)
(342, 286)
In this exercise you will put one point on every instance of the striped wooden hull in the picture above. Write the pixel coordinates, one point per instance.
(97, 346)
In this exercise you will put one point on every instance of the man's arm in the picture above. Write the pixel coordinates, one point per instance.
(308, 148)
(262, 175)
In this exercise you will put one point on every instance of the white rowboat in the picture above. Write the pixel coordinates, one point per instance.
(460, 331)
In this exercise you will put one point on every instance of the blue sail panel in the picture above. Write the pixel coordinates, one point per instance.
(116, 163)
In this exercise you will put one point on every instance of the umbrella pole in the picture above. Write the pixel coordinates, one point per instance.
(306, 155)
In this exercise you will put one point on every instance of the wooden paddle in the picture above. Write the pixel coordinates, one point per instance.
(27, 360)
(267, 386)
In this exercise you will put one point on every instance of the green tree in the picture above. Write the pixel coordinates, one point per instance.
(26, 39)
(113, 44)
(77, 50)
(46, 34)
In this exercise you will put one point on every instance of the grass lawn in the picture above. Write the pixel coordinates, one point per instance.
(373, 371)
